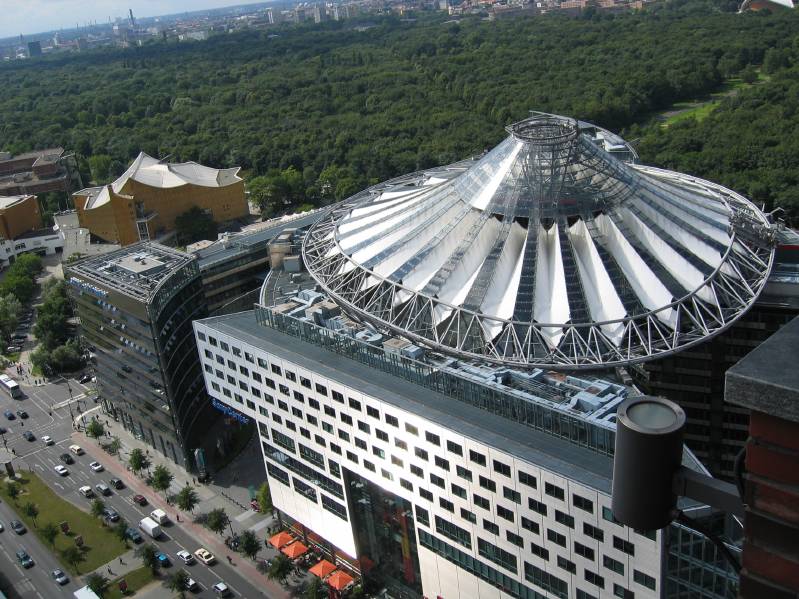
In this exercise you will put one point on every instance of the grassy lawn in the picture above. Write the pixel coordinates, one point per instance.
(100, 545)
(136, 580)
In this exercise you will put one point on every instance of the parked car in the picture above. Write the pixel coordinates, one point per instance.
(110, 515)
(22, 414)
(24, 559)
(140, 499)
(134, 535)
(85, 378)
(29, 436)
(59, 577)
(186, 557)
(62, 470)
(205, 556)
(221, 589)
(48, 440)
(18, 527)
(96, 466)
(9, 414)
(192, 585)
(163, 559)
(116, 483)
(102, 489)
(66, 458)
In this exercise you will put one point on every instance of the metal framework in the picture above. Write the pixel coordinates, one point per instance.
(546, 252)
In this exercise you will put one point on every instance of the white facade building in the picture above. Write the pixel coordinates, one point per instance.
(43, 242)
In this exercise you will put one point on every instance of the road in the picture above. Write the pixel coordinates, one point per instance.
(34, 455)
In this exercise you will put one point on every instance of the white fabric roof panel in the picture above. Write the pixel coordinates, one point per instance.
(480, 239)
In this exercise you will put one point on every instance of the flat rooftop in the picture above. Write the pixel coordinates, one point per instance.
(533, 446)
(136, 270)
(8, 201)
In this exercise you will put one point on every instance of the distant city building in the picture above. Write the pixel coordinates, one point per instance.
(35, 172)
(319, 13)
(34, 49)
(144, 202)
(136, 306)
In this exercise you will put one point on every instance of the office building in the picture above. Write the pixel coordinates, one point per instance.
(436, 409)
(136, 306)
(34, 49)
(143, 203)
(41, 171)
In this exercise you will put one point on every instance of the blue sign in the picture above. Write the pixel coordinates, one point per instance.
(228, 411)
(87, 287)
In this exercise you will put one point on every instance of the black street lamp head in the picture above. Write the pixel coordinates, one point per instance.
(648, 454)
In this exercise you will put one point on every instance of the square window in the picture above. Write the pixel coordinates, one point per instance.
(453, 447)
(554, 491)
(501, 468)
(477, 458)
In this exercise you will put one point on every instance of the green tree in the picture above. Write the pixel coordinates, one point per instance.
(749, 74)
(98, 507)
(187, 499)
(264, 498)
(138, 461)
(19, 285)
(114, 446)
(95, 429)
(73, 556)
(97, 583)
(121, 530)
(249, 543)
(194, 225)
(31, 511)
(162, 478)
(147, 553)
(179, 583)
(314, 589)
(13, 490)
(9, 315)
(100, 165)
(217, 520)
(280, 569)
(49, 532)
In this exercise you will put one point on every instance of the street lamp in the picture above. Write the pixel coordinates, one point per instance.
(69, 405)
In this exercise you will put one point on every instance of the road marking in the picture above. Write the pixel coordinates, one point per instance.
(244, 515)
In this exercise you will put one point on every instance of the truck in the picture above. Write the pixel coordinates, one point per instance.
(159, 516)
(151, 527)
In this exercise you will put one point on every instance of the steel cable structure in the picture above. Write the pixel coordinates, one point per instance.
(554, 250)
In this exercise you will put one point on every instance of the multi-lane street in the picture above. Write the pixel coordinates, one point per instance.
(49, 408)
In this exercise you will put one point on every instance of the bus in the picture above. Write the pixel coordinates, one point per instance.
(10, 386)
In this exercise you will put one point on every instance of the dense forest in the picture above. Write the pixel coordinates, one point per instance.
(317, 112)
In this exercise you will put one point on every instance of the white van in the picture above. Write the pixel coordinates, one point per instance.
(159, 516)
(86, 491)
(76, 449)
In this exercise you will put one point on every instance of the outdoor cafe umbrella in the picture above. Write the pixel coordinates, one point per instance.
(296, 549)
(322, 569)
(280, 539)
(340, 580)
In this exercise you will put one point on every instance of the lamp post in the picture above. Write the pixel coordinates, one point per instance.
(69, 405)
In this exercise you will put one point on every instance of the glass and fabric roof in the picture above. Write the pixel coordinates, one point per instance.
(553, 249)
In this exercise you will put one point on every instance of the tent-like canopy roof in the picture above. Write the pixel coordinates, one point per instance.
(550, 250)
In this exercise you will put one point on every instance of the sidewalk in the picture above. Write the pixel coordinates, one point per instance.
(116, 568)
(209, 500)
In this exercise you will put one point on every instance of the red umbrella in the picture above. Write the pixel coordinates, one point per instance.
(322, 569)
(340, 580)
(280, 539)
(296, 549)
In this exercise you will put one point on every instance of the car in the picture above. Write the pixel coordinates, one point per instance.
(61, 470)
(221, 589)
(9, 414)
(186, 557)
(192, 585)
(2, 527)
(134, 535)
(86, 491)
(116, 483)
(205, 556)
(85, 378)
(110, 515)
(163, 559)
(24, 559)
(96, 466)
(12, 349)
(76, 449)
(22, 414)
(48, 440)
(102, 489)
(18, 527)
(66, 458)
(59, 577)
(29, 436)
(140, 499)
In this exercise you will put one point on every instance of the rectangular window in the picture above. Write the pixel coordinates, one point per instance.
(201, 336)
(497, 555)
(514, 496)
(581, 594)
(330, 411)
(327, 427)
(593, 532)
(386, 474)
(406, 484)
(411, 429)
(537, 506)
(644, 579)
(283, 389)
(453, 447)
(369, 466)
(237, 352)
(352, 457)
(416, 471)
(346, 419)
(249, 358)
(446, 504)
(594, 579)
(224, 346)
(334, 507)
(262, 363)
(313, 403)
(437, 481)
(299, 397)
(505, 513)
(622, 593)
(392, 421)
(514, 538)
(215, 387)
(312, 456)
(481, 502)
(400, 443)
(422, 515)
(335, 395)
(539, 551)
(290, 425)
(277, 418)
(212, 341)
(396, 461)
(564, 519)
(570, 567)
(312, 420)
(530, 525)
(354, 404)
(344, 435)
(613, 564)
(335, 448)
(432, 438)
(584, 551)
(453, 532)
(487, 483)
(320, 440)
(420, 453)
(477, 458)
(623, 545)
(370, 411)
(490, 527)
(441, 463)
(321, 389)
(467, 515)
(276, 369)
(556, 537)
(607, 514)
(458, 491)
(501, 468)
(251, 404)
(425, 494)
(297, 412)
(582, 503)
(305, 382)
(546, 581)
(382, 435)
(378, 452)
(244, 370)
(284, 441)
(291, 376)
(360, 443)
(554, 491)
(464, 473)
